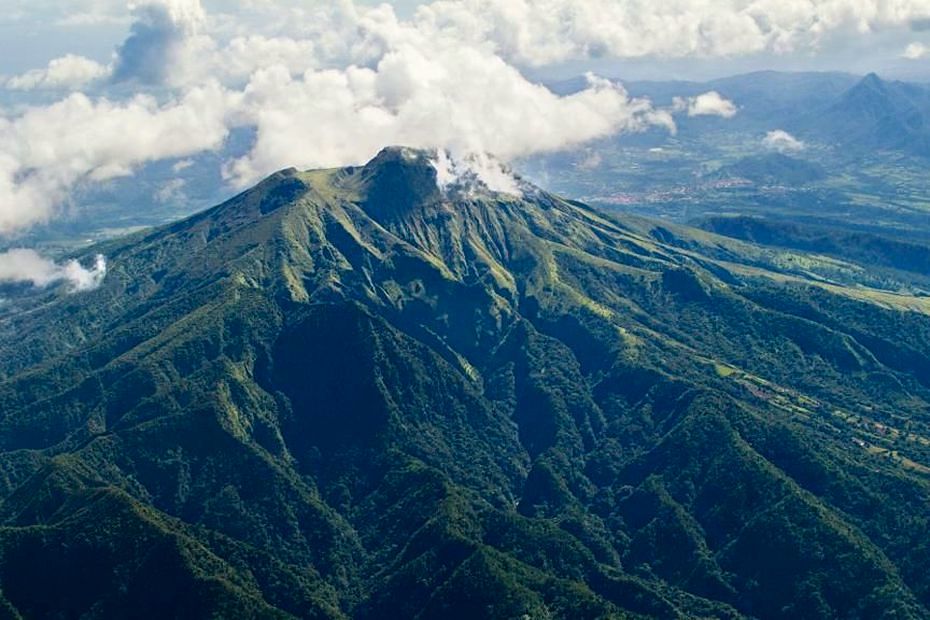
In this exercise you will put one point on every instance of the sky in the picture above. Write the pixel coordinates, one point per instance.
(94, 90)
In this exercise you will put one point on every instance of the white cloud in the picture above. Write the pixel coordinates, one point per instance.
(244, 55)
(47, 150)
(710, 103)
(782, 141)
(171, 192)
(163, 31)
(331, 83)
(463, 99)
(22, 265)
(538, 32)
(182, 165)
(66, 73)
(474, 171)
(915, 51)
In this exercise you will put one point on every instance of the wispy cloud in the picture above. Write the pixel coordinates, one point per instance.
(915, 51)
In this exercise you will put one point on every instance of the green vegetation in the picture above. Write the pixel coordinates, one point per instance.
(345, 394)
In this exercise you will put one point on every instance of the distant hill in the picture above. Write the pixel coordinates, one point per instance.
(766, 99)
(352, 394)
(888, 251)
(860, 114)
(874, 115)
(773, 169)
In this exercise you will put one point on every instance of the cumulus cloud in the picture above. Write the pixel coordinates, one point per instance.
(463, 99)
(244, 55)
(161, 33)
(330, 83)
(710, 103)
(47, 150)
(22, 265)
(66, 73)
(915, 51)
(538, 32)
(782, 141)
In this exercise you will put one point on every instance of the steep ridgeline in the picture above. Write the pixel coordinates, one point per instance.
(348, 393)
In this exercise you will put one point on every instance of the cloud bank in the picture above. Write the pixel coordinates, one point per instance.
(462, 100)
(539, 32)
(28, 266)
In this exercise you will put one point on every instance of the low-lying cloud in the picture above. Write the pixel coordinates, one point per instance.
(467, 101)
(477, 169)
(27, 266)
(707, 104)
(783, 142)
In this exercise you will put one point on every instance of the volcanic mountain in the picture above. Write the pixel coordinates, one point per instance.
(355, 393)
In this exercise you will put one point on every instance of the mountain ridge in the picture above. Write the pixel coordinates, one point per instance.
(345, 393)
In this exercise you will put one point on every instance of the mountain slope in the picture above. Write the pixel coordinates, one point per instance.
(348, 393)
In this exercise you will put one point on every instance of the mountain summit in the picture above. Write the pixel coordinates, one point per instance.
(399, 179)
(348, 393)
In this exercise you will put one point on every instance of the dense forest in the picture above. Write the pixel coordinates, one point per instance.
(350, 393)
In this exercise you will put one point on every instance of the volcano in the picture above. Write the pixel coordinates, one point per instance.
(354, 393)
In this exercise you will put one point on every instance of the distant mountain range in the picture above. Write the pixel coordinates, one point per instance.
(850, 112)
(349, 393)
(874, 115)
